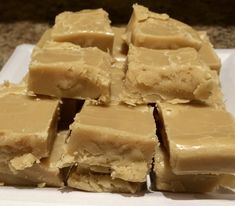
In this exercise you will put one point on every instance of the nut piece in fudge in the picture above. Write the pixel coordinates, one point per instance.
(199, 139)
(168, 75)
(117, 137)
(87, 180)
(207, 53)
(69, 71)
(159, 31)
(28, 125)
(87, 28)
(165, 180)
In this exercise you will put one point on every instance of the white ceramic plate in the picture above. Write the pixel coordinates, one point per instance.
(15, 69)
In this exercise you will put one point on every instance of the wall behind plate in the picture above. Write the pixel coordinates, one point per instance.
(194, 12)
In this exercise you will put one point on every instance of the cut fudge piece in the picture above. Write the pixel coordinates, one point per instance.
(199, 139)
(69, 71)
(120, 47)
(43, 173)
(117, 77)
(117, 137)
(167, 75)
(207, 53)
(165, 180)
(44, 38)
(85, 28)
(28, 125)
(85, 179)
(159, 31)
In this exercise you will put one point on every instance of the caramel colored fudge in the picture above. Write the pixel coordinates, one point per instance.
(168, 75)
(120, 47)
(165, 180)
(28, 126)
(200, 139)
(43, 173)
(117, 137)
(84, 179)
(207, 53)
(87, 28)
(159, 31)
(69, 71)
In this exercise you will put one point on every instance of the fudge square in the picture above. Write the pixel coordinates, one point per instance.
(159, 31)
(199, 139)
(164, 179)
(87, 28)
(167, 74)
(69, 71)
(117, 137)
(28, 124)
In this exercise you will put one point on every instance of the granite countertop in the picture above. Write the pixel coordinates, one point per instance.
(26, 25)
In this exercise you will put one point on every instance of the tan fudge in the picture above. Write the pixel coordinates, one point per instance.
(67, 70)
(120, 47)
(117, 137)
(85, 179)
(86, 28)
(165, 180)
(207, 53)
(28, 126)
(45, 172)
(199, 139)
(44, 38)
(159, 31)
(168, 75)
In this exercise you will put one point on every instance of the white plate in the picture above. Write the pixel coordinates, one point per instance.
(15, 69)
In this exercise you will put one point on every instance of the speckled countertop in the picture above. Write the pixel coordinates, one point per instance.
(26, 25)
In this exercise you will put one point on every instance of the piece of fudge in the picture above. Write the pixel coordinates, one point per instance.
(165, 180)
(87, 28)
(28, 126)
(120, 47)
(43, 173)
(117, 137)
(168, 75)
(87, 180)
(159, 31)
(199, 139)
(69, 71)
(207, 53)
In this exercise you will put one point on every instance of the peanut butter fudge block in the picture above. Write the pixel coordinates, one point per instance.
(28, 125)
(159, 31)
(69, 71)
(117, 137)
(207, 53)
(43, 173)
(165, 180)
(85, 28)
(199, 139)
(120, 47)
(85, 179)
(167, 75)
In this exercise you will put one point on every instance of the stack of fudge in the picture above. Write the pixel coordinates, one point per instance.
(103, 107)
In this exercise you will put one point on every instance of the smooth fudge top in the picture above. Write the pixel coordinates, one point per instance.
(119, 118)
(200, 138)
(159, 31)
